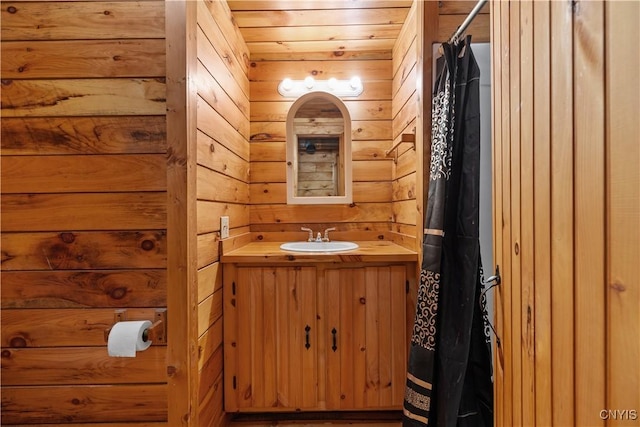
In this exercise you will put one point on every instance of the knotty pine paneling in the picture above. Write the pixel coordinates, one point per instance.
(82, 211)
(69, 20)
(622, 198)
(83, 58)
(69, 289)
(83, 250)
(371, 132)
(222, 183)
(84, 208)
(26, 136)
(88, 404)
(566, 210)
(406, 69)
(83, 174)
(50, 366)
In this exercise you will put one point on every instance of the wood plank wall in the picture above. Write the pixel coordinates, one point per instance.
(406, 119)
(83, 209)
(222, 187)
(567, 212)
(370, 213)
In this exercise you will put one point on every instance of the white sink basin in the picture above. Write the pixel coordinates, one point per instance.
(318, 246)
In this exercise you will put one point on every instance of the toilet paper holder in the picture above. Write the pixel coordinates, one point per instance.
(157, 332)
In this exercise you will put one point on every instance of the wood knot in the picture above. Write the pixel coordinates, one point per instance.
(247, 393)
(118, 293)
(363, 300)
(147, 245)
(618, 287)
(12, 9)
(6, 354)
(18, 342)
(171, 370)
(67, 237)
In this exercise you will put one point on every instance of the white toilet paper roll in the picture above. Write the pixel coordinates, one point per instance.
(125, 338)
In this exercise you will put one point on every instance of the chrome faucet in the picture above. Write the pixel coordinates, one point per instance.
(326, 234)
(310, 239)
(319, 238)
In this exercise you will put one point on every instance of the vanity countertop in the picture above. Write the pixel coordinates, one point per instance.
(368, 251)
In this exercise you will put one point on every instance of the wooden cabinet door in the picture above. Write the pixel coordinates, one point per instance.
(365, 337)
(271, 339)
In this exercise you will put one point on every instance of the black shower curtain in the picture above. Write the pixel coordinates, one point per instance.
(449, 373)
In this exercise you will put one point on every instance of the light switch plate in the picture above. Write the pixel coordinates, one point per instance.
(224, 227)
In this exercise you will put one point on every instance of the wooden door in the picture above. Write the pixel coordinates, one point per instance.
(566, 212)
(365, 337)
(271, 339)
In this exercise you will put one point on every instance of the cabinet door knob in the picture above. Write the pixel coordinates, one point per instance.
(334, 347)
(306, 335)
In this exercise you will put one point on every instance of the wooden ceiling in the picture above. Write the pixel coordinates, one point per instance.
(319, 29)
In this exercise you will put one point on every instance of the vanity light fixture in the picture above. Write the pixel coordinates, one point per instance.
(295, 88)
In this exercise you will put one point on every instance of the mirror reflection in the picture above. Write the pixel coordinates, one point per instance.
(319, 128)
(318, 150)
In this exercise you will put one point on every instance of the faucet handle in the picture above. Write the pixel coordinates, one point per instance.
(310, 238)
(326, 233)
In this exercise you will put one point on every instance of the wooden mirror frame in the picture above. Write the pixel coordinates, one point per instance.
(292, 154)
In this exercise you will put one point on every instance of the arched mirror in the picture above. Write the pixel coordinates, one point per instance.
(318, 150)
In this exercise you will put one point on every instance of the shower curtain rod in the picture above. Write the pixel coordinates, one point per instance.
(467, 21)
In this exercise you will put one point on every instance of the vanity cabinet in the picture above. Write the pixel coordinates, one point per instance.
(315, 337)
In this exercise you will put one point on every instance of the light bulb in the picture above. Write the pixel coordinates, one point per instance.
(287, 84)
(332, 83)
(309, 82)
(355, 82)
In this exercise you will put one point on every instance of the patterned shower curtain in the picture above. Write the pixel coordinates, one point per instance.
(449, 372)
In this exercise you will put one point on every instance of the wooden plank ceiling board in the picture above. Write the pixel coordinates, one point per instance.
(304, 29)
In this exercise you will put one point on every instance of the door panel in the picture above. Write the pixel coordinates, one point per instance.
(276, 344)
(365, 311)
